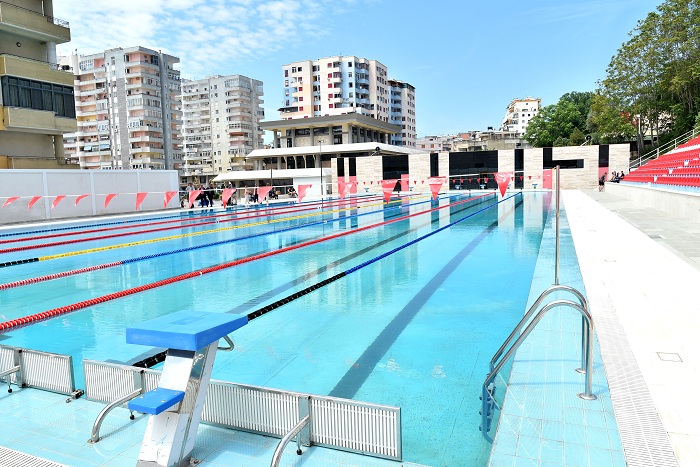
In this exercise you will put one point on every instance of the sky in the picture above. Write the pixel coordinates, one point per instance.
(466, 59)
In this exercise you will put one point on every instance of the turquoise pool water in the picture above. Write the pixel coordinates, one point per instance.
(415, 329)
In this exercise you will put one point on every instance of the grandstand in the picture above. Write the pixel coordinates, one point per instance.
(678, 169)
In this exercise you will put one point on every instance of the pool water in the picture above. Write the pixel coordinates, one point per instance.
(415, 329)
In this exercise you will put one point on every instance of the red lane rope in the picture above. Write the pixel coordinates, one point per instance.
(57, 275)
(112, 296)
(255, 215)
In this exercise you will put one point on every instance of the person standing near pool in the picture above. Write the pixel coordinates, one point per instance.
(601, 182)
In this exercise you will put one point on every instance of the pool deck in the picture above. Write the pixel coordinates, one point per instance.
(641, 270)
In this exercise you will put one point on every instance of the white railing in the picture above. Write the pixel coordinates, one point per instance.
(36, 369)
(343, 424)
(664, 148)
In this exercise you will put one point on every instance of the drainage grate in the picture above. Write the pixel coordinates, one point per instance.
(11, 458)
(644, 439)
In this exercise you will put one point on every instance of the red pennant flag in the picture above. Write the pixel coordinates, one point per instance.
(461, 180)
(422, 182)
(341, 188)
(364, 183)
(10, 200)
(301, 191)
(486, 179)
(502, 178)
(226, 195)
(371, 182)
(57, 200)
(349, 187)
(435, 184)
(139, 198)
(415, 181)
(469, 180)
(529, 177)
(521, 178)
(33, 201)
(193, 197)
(168, 196)
(109, 198)
(77, 200)
(512, 177)
(387, 188)
(263, 192)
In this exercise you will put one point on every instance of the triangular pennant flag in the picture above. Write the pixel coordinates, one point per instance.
(521, 178)
(387, 188)
(422, 182)
(301, 191)
(371, 182)
(461, 180)
(77, 200)
(341, 188)
(193, 197)
(529, 177)
(512, 177)
(469, 180)
(226, 195)
(109, 198)
(435, 185)
(140, 196)
(33, 201)
(263, 192)
(364, 183)
(10, 200)
(415, 181)
(57, 200)
(347, 188)
(503, 179)
(168, 196)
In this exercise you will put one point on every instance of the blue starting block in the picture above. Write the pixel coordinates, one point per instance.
(191, 339)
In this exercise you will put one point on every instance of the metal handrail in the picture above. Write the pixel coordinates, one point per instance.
(284, 441)
(531, 311)
(103, 414)
(588, 389)
(655, 153)
(230, 345)
(50, 19)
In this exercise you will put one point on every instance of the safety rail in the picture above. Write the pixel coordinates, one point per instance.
(277, 456)
(671, 145)
(348, 425)
(36, 369)
(488, 390)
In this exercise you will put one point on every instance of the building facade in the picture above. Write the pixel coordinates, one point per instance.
(128, 109)
(221, 125)
(36, 94)
(519, 113)
(402, 112)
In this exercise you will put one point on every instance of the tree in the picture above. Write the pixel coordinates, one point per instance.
(607, 123)
(554, 124)
(577, 137)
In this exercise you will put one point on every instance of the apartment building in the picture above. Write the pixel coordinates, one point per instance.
(519, 113)
(128, 110)
(36, 94)
(221, 125)
(402, 97)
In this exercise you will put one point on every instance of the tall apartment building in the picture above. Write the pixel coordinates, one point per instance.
(403, 112)
(36, 95)
(128, 109)
(519, 113)
(221, 124)
(340, 85)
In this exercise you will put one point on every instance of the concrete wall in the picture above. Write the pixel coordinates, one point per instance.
(72, 183)
(685, 205)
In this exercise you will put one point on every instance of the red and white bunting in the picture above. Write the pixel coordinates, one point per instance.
(109, 198)
(503, 179)
(388, 188)
(140, 196)
(435, 185)
(77, 200)
(263, 192)
(301, 191)
(167, 197)
(10, 200)
(193, 197)
(33, 201)
(226, 195)
(57, 200)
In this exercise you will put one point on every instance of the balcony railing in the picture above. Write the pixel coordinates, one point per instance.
(50, 19)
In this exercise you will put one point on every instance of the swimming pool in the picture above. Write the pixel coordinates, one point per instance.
(415, 329)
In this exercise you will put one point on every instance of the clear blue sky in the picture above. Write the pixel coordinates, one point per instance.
(466, 59)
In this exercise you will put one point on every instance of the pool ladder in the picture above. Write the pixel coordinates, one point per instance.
(488, 390)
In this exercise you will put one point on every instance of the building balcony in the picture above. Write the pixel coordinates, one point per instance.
(36, 121)
(145, 139)
(34, 69)
(29, 23)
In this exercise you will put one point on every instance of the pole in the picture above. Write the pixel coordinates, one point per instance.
(320, 164)
(556, 250)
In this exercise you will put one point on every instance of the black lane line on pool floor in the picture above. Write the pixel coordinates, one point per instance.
(242, 308)
(358, 373)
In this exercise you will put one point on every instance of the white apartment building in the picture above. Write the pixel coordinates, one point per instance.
(519, 113)
(403, 112)
(221, 125)
(128, 110)
(437, 143)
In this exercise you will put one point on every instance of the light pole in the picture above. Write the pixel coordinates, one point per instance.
(320, 164)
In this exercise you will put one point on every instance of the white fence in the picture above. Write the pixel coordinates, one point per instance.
(36, 369)
(97, 184)
(370, 429)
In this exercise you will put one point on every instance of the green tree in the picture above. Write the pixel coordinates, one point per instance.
(577, 137)
(554, 124)
(608, 124)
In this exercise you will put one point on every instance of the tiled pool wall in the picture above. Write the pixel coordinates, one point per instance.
(543, 422)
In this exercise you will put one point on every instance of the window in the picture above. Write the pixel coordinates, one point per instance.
(37, 95)
(330, 106)
(301, 109)
(330, 75)
(330, 96)
(301, 88)
(349, 64)
(294, 69)
(330, 85)
(301, 99)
